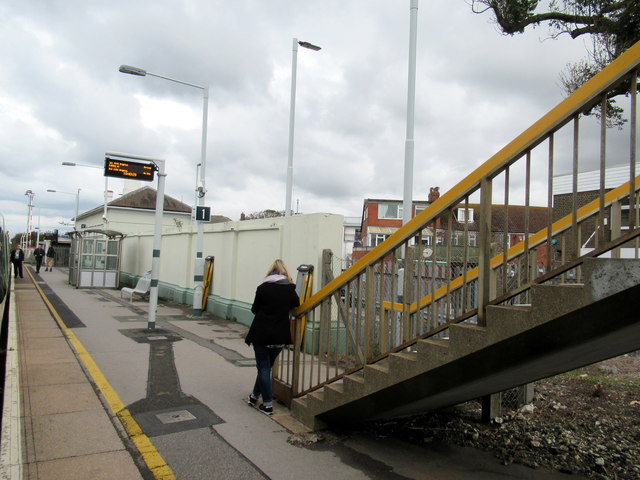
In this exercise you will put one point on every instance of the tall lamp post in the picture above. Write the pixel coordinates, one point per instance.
(106, 186)
(198, 265)
(407, 203)
(77, 194)
(292, 115)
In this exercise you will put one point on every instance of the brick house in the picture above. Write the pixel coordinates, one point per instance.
(382, 217)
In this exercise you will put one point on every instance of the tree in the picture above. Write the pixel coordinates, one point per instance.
(263, 214)
(613, 25)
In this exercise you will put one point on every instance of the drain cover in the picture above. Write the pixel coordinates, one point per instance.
(175, 417)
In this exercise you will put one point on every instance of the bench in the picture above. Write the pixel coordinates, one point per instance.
(141, 288)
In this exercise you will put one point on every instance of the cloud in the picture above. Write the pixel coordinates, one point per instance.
(63, 99)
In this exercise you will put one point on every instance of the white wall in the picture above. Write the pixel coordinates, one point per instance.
(243, 251)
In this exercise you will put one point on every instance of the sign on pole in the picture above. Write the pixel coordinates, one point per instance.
(123, 168)
(203, 214)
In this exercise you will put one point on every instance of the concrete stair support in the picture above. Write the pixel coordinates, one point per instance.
(561, 330)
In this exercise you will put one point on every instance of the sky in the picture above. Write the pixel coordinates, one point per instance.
(62, 99)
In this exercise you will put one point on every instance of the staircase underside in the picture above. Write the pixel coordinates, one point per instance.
(605, 328)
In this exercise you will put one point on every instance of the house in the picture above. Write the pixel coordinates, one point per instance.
(383, 217)
(588, 189)
(134, 212)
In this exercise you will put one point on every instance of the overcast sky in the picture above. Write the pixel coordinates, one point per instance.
(63, 99)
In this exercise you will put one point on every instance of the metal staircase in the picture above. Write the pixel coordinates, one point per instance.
(405, 331)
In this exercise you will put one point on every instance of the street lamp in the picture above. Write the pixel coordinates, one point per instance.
(198, 266)
(75, 219)
(407, 200)
(106, 186)
(292, 114)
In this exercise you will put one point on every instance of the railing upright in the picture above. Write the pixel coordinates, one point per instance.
(484, 268)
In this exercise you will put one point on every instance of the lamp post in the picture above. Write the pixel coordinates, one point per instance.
(292, 114)
(407, 202)
(75, 219)
(106, 186)
(198, 265)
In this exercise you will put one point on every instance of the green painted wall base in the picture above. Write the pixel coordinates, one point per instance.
(216, 305)
(337, 335)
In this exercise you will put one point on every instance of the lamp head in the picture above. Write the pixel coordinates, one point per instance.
(310, 46)
(133, 70)
(69, 164)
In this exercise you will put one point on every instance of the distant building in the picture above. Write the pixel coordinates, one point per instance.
(134, 212)
(587, 190)
(383, 217)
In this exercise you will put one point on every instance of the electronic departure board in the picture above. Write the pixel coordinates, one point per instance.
(121, 168)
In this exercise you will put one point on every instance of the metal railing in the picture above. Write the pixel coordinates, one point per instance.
(446, 265)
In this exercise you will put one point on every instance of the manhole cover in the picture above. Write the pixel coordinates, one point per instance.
(175, 417)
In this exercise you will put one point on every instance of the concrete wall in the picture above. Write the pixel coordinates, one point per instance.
(243, 251)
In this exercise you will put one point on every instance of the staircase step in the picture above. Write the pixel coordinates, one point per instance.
(333, 395)
(376, 376)
(433, 352)
(315, 401)
(504, 321)
(551, 301)
(404, 364)
(354, 384)
(466, 339)
(606, 276)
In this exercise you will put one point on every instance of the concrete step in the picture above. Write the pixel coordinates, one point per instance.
(504, 321)
(354, 384)
(604, 277)
(552, 301)
(466, 339)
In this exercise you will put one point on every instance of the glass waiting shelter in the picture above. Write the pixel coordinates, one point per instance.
(94, 258)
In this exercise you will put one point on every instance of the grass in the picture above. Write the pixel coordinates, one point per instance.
(603, 379)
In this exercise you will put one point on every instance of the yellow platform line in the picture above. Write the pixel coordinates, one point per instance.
(148, 452)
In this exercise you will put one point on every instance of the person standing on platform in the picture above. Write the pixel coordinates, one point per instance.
(270, 330)
(17, 257)
(39, 254)
(51, 256)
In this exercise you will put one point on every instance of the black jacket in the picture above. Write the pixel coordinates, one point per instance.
(20, 255)
(271, 306)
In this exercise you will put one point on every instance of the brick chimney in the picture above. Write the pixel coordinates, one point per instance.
(434, 194)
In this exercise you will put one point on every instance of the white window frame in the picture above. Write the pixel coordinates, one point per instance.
(382, 208)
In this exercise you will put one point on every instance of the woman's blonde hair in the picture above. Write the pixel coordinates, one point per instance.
(278, 267)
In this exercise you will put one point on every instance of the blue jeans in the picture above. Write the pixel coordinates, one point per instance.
(265, 357)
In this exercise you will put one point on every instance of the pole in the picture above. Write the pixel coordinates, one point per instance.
(75, 219)
(198, 265)
(292, 115)
(407, 203)
(106, 199)
(157, 242)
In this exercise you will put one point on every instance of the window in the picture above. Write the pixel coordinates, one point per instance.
(465, 215)
(387, 211)
(419, 208)
(473, 239)
(376, 239)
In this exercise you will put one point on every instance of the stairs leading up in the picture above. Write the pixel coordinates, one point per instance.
(565, 327)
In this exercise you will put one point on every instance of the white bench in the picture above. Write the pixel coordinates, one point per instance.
(141, 288)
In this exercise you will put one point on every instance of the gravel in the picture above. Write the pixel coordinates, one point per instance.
(585, 422)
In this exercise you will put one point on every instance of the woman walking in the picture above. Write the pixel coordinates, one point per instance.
(270, 330)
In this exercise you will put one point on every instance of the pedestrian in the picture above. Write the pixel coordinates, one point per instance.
(51, 256)
(17, 257)
(38, 253)
(270, 330)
